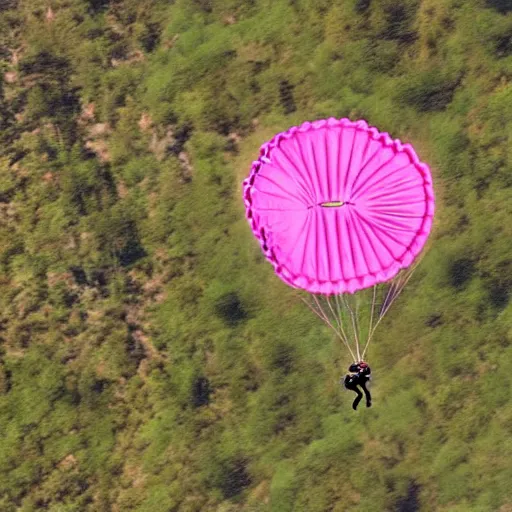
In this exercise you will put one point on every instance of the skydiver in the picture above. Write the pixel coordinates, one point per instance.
(359, 374)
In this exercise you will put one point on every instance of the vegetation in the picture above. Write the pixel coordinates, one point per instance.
(149, 358)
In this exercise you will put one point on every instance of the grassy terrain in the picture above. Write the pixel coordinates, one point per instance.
(149, 358)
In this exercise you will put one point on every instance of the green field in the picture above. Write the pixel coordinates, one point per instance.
(150, 360)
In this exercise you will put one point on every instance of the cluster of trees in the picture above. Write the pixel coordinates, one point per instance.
(149, 358)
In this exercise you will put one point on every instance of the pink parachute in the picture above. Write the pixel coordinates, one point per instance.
(338, 208)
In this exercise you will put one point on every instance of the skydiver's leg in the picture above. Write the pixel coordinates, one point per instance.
(357, 398)
(366, 394)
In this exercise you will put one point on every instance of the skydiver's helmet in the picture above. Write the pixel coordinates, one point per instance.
(354, 368)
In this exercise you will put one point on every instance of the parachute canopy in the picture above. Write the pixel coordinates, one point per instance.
(338, 206)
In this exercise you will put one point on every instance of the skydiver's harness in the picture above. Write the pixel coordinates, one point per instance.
(352, 375)
(360, 372)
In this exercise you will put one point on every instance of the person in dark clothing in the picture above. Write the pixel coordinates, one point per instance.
(359, 374)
